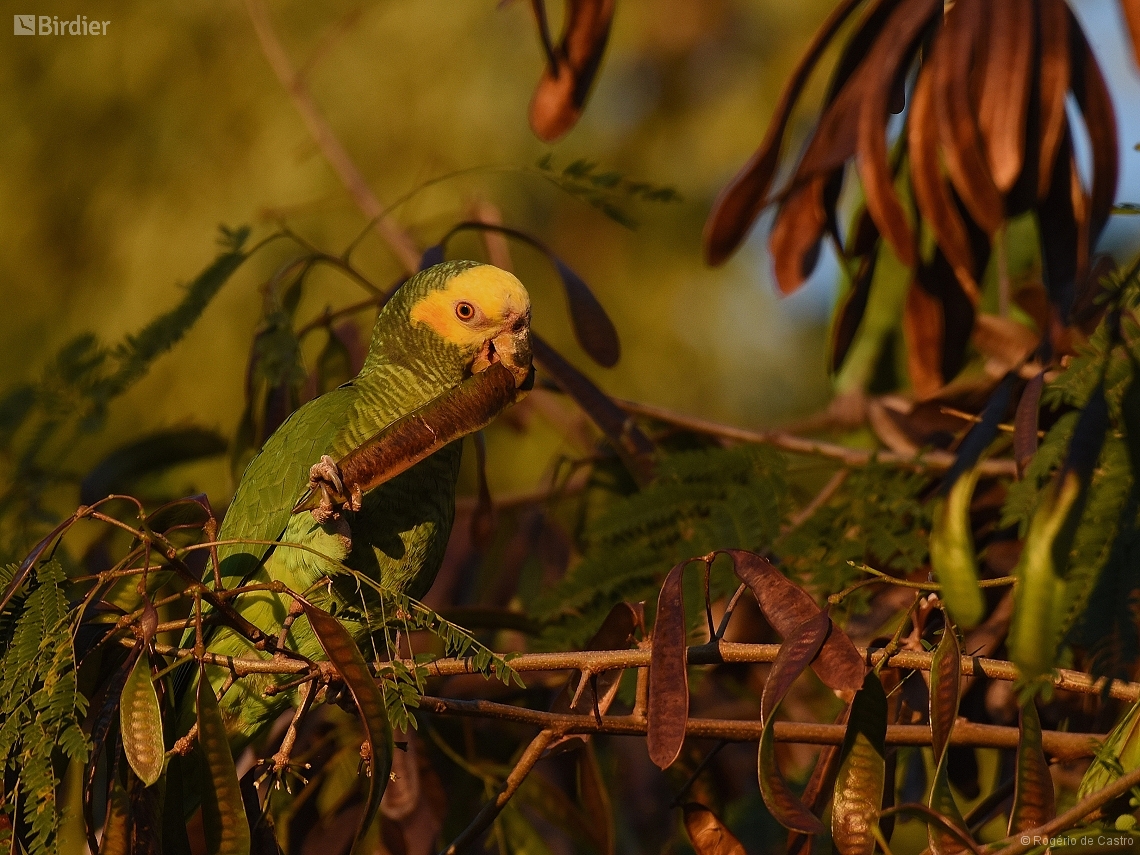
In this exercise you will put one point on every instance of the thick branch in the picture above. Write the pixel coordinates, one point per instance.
(938, 460)
(1064, 746)
(725, 651)
(597, 661)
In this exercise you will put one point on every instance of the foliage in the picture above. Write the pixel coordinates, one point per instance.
(1058, 520)
(701, 500)
(41, 422)
(604, 190)
(877, 518)
(1098, 577)
(41, 708)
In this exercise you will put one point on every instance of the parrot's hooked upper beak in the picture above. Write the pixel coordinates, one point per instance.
(510, 346)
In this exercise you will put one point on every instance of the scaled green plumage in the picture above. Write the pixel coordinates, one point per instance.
(429, 337)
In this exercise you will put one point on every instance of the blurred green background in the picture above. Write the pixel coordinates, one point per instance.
(123, 153)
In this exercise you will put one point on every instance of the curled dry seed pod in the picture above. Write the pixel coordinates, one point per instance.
(987, 138)
(796, 653)
(572, 65)
(708, 834)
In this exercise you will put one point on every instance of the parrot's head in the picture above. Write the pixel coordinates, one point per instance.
(481, 313)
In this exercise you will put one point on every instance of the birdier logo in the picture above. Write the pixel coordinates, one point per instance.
(51, 25)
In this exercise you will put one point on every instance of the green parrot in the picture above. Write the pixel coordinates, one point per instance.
(442, 326)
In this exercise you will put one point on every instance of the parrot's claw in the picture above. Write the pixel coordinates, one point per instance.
(324, 477)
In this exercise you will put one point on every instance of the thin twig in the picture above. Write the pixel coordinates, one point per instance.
(326, 318)
(878, 576)
(493, 808)
(934, 460)
(329, 38)
(641, 695)
(684, 791)
(728, 611)
(281, 759)
(1031, 838)
(242, 666)
(334, 152)
(970, 417)
(821, 498)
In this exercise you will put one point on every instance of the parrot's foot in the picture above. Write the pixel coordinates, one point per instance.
(325, 477)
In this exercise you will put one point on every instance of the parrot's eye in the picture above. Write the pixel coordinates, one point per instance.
(464, 311)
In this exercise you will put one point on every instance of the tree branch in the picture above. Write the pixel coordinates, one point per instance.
(1064, 746)
(726, 652)
(937, 460)
(1032, 838)
(712, 653)
(818, 501)
(400, 241)
(493, 808)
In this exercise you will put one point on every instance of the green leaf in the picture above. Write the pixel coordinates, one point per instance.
(117, 826)
(1118, 755)
(40, 708)
(700, 501)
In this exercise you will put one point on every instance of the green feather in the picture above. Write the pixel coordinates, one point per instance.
(397, 538)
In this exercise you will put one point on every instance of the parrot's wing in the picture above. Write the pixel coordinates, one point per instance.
(276, 478)
(273, 481)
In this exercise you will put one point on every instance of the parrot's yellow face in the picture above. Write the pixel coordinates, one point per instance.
(483, 310)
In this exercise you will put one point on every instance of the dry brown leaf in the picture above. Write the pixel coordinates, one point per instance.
(922, 323)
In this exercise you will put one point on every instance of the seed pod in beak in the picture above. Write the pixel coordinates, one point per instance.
(512, 346)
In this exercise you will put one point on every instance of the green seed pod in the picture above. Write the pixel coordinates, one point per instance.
(1119, 753)
(952, 554)
(141, 721)
(1040, 579)
(227, 830)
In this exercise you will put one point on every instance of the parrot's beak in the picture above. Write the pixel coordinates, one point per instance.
(512, 348)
